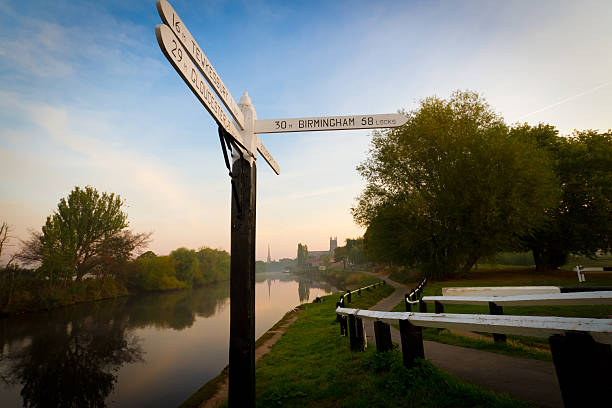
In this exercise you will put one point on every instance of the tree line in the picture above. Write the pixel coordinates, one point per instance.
(85, 251)
(456, 184)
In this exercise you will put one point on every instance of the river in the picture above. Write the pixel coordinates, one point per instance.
(150, 350)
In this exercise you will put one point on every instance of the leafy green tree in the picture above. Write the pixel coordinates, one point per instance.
(302, 255)
(158, 273)
(326, 260)
(340, 255)
(449, 187)
(148, 254)
(582, 221)
(86, 234)
(260, 266)
(187, 266)
(214, 265)
(355, 251)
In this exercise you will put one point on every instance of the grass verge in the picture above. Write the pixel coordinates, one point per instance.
(353, 279)
(312, 366)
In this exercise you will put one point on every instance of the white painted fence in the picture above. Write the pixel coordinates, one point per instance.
(545, 299)
(536, 326)
(498, 290)
(580, 270)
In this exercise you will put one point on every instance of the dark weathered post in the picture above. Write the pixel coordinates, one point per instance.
(412, 342)
(407, 300)
(439, 307)
(382, 332)
(361, 340)
(348, 296)
(497, 310)
(241, 391)
(355, 341)
(583, 369)
(356, 336)
(422, 306)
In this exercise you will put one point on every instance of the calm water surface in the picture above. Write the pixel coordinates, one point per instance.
(151, 350)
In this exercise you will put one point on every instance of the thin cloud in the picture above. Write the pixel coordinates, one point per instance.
(571, 98)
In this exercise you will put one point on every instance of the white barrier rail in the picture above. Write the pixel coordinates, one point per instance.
(498, 290)
(580, 270)
(550, 299)
(580, 347)
(536, 326)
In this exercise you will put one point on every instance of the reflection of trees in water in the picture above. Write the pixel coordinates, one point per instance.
(73, 362)
(70, 357)
(303, 290)
(177, 309)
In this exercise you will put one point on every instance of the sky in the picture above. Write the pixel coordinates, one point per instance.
(88, 98)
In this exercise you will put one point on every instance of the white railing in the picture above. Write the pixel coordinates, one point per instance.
(345, 299)
(580, 270)
(412, 298)
(535, 326)
(545, 299)
(580, 347)
(498, 290)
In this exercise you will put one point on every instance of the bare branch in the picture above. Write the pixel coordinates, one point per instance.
(30, 253)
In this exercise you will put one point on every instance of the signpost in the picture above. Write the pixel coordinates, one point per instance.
(329, 123)
(192, 65)
(172, 20)
(179, 58)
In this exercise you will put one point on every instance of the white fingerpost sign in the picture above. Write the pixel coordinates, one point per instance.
(172, 20)
(178, 57)
(329, 123)
(241, 124)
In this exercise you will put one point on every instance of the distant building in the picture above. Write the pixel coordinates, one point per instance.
(315, 258)
(333, 244)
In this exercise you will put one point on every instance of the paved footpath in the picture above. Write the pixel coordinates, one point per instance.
(525, 379)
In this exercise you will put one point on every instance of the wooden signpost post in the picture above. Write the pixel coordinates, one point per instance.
(238, 131)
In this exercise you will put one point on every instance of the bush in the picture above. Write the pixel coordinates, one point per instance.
(153, 273)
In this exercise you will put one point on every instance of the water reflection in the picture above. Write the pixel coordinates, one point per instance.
(74, 363)
(303, 290)
(70, 358)
(148, 350)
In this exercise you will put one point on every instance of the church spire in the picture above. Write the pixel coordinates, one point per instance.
(269, 259)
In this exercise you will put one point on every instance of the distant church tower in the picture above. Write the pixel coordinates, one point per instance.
(333, 244)
(269, 259)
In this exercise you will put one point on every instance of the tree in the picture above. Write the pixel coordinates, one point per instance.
(326, 260)
(449, 187)
(214, 264)
(581, 222)
(340, 254)
(153, 273)
(187, 266)
(302, 255)
(86, 234)
(4, 235)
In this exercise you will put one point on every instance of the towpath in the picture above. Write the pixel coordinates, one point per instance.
(525, 379)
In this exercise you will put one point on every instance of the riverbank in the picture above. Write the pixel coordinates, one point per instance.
(312, 365)
(39, 298)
